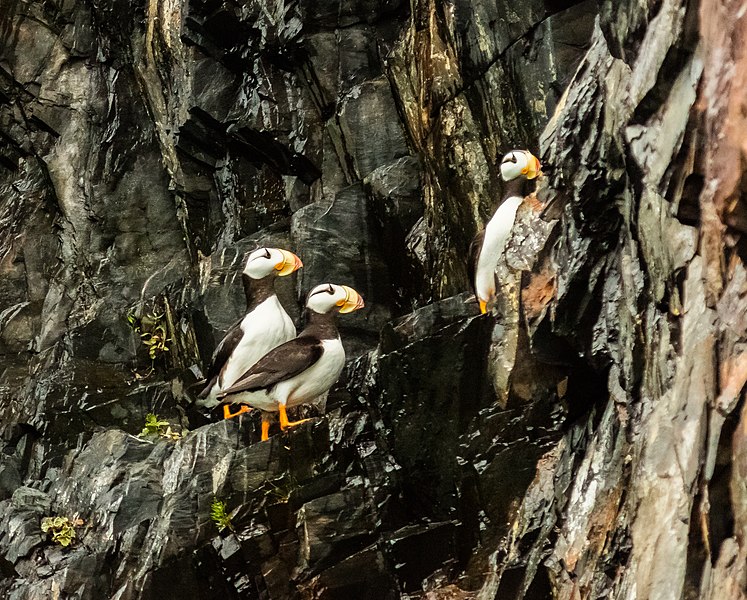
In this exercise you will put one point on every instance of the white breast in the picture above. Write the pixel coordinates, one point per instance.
(314, 381)
(260, 399)
(497, 234)
(264, 328)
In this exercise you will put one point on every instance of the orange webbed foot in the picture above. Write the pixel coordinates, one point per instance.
(227, 411)
(284, 422)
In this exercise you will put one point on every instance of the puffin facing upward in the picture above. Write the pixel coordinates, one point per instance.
(264, 326)
(302, 369)
(517, 168)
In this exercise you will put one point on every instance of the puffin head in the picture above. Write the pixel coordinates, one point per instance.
(327, 297)
(519, 163)
(271, 261)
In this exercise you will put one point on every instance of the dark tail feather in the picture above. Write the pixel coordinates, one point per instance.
(206, 390)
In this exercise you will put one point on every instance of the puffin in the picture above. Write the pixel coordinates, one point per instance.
(301, 370)
(264, 326)
(518, 167)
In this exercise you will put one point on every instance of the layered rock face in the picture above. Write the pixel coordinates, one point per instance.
(586, 440)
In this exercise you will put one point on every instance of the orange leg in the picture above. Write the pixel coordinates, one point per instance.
(284, 422)
(227, 411)
(483, 307)
(265, 429)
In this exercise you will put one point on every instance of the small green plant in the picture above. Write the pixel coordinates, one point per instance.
(155, 427)
(219, 514)
(280, 491)
(152, 331)
(62, 529)
(156, 340)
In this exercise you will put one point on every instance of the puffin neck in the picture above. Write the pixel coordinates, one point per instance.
(321, 325)
(257, 290)
(515, 187)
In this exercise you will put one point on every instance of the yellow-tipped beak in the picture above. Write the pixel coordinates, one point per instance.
(353, 300)
(289, 264)
(533, 168)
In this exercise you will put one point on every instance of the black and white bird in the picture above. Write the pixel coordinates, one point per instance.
(301, 370)
(517, 168)
(264, 326)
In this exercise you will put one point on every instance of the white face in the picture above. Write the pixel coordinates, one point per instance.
(328, 296)
(262, 262)
(323, 298)
(519, 163)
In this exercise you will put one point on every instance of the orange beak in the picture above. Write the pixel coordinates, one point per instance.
(533, 167)
(353, 300)
(289, 264)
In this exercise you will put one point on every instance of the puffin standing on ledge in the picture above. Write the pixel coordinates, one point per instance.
(265, 325)
(517, 168)
(302, 369)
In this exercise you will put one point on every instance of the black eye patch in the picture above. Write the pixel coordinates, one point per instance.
(510, 158)
(328, 290)
(267, 253)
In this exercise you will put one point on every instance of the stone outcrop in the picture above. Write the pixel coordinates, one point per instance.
(585, 440)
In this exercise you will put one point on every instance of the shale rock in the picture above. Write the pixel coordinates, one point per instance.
(586, 438)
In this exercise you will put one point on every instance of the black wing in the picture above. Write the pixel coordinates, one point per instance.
(220, 356)
(279, 364)
(472, 256)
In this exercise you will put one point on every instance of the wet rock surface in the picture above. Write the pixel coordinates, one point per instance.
(584, 440)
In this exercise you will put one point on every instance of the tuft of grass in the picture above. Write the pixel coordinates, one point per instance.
(62, 529)
(220, 515)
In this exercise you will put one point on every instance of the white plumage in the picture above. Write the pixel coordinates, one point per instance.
(497, 234)
(300, 370)
(517, 167)
(303, 387)
(264, 328)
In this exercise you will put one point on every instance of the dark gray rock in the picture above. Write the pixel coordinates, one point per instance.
(10, 475)
(341, 230)
(583, 439)
(332, 526)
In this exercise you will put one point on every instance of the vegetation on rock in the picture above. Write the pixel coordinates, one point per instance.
(61, 529)
(587, 441)
(220, 515)
(152, 331)
(157, 428)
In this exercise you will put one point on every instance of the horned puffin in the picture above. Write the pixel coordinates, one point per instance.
(517, 168)
(264, 326)
(302, 369)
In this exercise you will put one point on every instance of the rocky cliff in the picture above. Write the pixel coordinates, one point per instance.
(587, 440)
